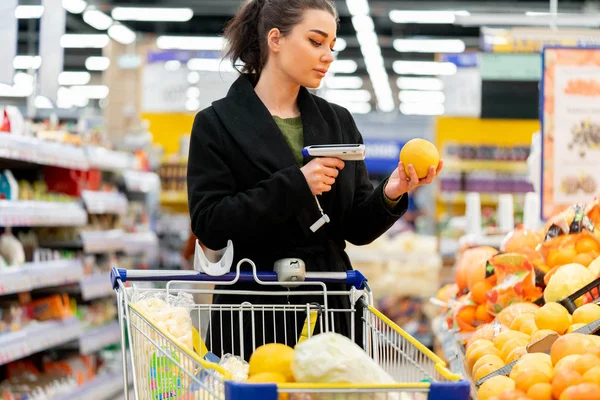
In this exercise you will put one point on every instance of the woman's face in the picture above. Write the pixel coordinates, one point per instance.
(306, 53)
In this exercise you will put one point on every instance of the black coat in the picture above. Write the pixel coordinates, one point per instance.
(245, 185)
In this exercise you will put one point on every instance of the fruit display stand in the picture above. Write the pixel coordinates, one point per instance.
(512, 321)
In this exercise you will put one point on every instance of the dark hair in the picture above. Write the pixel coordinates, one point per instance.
(247, 32)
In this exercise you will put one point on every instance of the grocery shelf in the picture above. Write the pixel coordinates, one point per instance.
(96, 339)
(485, 165)
(103, 387)
(139, 242)
(140, 181)
(109, 160)
(43, 152)
(485, 198)
(37, 275)
(174, 197)
(28, 213)
(95, 286)
(104, 202)
(102, 241)
(37, 337)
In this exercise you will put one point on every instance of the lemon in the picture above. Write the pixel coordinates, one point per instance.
(274, 358)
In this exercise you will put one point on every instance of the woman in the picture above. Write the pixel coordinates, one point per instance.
(248, 181)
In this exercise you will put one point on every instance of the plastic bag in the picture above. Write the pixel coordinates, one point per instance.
(515, 281)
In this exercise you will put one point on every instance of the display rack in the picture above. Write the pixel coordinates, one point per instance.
(41, 213)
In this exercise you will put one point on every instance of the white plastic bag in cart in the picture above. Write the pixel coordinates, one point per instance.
(213, 262)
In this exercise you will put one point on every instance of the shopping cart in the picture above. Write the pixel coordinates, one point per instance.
(164, 368)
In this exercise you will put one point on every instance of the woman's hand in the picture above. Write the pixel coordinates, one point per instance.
(399, 183)
(320, 173)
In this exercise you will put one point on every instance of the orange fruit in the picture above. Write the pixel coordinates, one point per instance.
(513, 394)
(592, 375)
(566, 363)
(529, 327)
(563, 380)
(484, 371)
(422, 154)
(480, 352)
(586, 245)
(527, 379)
(537, 361)
(485, 331)
(512, 345)
(586, 314)
(509, 313)
(488, 359)
(479, 291)
(504, 337)
(574, 327)
(481, 314)
(584, 259)
(516, 323)
(516, 354)
(495, 387)
(467, 315)
(540, 334)
(572, 343)
(583, 391)
(587, 362)
(565, 255)
(473, 346)
(540, 391)
(553, 316)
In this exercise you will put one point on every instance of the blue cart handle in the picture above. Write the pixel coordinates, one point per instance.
(353, 277)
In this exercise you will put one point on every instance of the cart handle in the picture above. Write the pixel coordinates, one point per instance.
(352, 277)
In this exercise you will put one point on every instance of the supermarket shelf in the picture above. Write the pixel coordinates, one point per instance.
(486, 198)
(105, 202)
(37, 337)
(41, 213)
(95, 286)
(96, 339)
(43, 152)
(174, 197)
(102, 241)
(139, 181)
(30, 276)
(485, 165)
(135, 243)
(109, 160)
(104, 387)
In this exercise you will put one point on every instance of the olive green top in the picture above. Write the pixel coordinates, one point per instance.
(294, 136)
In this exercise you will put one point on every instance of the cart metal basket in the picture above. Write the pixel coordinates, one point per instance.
(165, 368)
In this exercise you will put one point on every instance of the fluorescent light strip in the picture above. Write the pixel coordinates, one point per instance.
(425, 17)
(356, 107)
(574, 20)
(90, 91)
(363, 23)
(340, 44)
(421, 109)
(417, 96)
(97, 63)
(74, 6)
(82, 41)
(190, 43)
(405, 83)
(358, 7)
(340, 96)
(68, 78)
(210, 64)
(29, 12)
(42, 102)
(97, 19)
(343, 82)
(343, 67)
(152, 14)
(27, 62)
(424, 68)
(121, 34)
(429, 45)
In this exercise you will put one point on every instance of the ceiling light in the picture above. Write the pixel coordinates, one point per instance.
(421, 109)
(193, 92)
(27, 62)
(358, 7)
(42, 102)
(152, 14)
(172, 65)
(192, 104)
(209, 64)
(338, 96)
(405, 83)
(429, 45)
(29, 12)
(97, 63)
(567, 20)
(343, 82)
(363, 23)
(97, 19)
(424, 68)
(121, 34)
(68, 78)
(83, 41)
(340, 44)
(74, 6)
(190, 42)
(417, 96)
(425, 17)
(90, 91)
(193, 77)
(343, 66)
(14, 91)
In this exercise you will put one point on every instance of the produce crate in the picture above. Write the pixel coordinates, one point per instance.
(592, 288)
